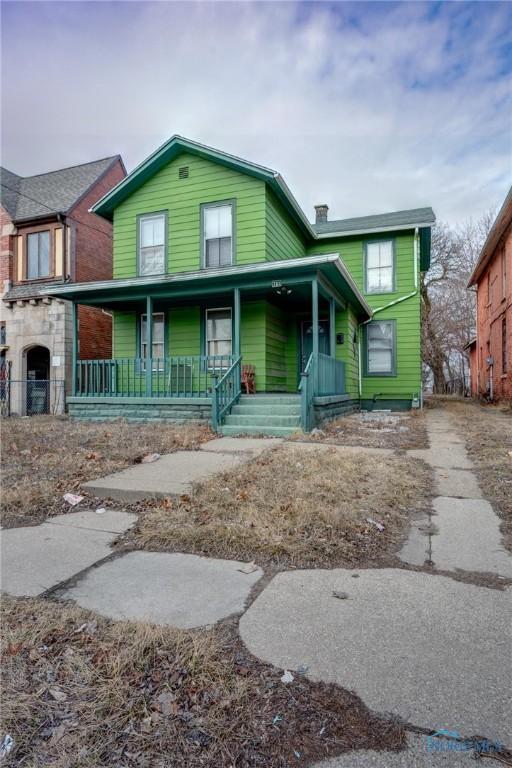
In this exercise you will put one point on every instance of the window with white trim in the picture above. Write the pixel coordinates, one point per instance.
(158, 350)
(380, 348)
(152, 244)
(219, 332)
(38, 255)
(218, 235)
(379, 267)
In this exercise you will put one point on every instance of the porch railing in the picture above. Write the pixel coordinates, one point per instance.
(322, 376)
(331, 376)
(226, 393)
(184, 376)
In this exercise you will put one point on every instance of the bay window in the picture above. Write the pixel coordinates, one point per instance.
(38, 255)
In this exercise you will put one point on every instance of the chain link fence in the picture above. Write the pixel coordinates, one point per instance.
(31, 397)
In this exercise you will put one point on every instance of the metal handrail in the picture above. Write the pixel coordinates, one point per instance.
(226, 393)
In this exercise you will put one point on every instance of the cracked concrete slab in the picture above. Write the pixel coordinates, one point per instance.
(448, 457)
(457, 482)
(461, 534)
(36, 558)
(183, 591)
(343, 449)
(432, 650)
(251, 445)
(110, 520)
(173, 473)
(420, 752)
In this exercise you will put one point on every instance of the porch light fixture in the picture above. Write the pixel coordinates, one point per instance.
(282, 290)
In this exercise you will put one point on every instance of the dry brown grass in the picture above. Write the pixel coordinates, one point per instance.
(78, 690)
(487, 430)
(44, 457)
(292, 507)
(374, 430)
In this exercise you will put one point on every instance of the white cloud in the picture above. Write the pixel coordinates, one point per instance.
(368, 107)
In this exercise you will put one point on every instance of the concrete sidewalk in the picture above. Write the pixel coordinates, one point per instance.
(175, 473)
(36, 558)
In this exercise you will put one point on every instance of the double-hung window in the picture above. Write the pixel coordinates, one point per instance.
(219, 331)
(380, 267)
(152, 244)
(157, 351)
(380, 348)
(38, 255)
(217, 235)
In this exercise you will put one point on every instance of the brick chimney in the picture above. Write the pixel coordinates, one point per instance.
(321, 213)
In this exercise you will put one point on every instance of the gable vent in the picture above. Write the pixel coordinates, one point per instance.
(183, 172)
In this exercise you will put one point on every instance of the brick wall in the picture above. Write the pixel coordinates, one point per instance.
(92, 249)
(6, 248)
(494, 302)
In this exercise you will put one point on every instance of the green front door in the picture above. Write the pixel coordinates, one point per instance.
(306, 340)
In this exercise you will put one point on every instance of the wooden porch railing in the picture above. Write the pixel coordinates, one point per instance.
(322, 376)
(185, 376)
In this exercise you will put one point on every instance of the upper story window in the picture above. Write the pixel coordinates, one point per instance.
(152, 238)
(380, 267)
(217, 226)
(380, 358)
(38, 255)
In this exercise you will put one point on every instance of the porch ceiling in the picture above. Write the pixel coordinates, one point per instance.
(334, 279)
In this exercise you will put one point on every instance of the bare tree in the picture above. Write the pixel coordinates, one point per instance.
(448, 308)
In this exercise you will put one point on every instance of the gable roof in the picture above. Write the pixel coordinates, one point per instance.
(34, 197)
(502, 221)
(176, 145)
(415, 217)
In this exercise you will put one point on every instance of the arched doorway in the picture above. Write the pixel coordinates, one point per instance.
(38, 381)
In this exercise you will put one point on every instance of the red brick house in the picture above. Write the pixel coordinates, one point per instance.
(490, 352)
(48, 236)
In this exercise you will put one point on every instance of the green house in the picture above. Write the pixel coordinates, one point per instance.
(260, 320)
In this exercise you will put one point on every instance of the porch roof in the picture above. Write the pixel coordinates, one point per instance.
(333, 276)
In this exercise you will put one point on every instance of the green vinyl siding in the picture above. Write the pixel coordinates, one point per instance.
(184, 331)
(346, 323)
(207, 182)
(407, 381)
(276, 338)
(252, 339)
(124, 330)
(282, 238)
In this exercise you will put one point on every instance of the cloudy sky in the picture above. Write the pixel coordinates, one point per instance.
(368, 107)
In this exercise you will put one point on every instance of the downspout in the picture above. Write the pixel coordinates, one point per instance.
(392, 304)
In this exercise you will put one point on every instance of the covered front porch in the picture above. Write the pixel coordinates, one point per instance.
(281, 329)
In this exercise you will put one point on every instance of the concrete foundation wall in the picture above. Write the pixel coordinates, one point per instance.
(328, 408)
(140, 409)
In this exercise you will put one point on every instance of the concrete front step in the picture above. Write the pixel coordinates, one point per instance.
(256, 409)
(263, 420)
(274, 431)
(270, 399)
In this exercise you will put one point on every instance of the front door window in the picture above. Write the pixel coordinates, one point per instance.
(307, 340)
